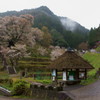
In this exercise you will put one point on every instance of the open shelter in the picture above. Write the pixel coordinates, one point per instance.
(72, 66)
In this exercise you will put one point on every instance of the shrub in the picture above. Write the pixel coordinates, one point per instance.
(6, 81)
(20, 87)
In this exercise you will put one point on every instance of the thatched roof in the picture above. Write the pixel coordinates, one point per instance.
(70, 60)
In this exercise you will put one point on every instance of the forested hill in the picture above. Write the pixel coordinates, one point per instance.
(64, 31)
(72, 25)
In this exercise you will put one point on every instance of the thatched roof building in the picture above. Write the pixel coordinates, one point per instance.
(70, 60)
(72, 65)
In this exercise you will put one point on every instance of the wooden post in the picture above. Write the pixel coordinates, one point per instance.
(56, 78)
(54, 74)
(85, 73)
(64, 75)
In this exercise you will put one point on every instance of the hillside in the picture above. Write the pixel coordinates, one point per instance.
(72, 25)
(62, 34)
(94, 60)
(94, 37)
(43, 11)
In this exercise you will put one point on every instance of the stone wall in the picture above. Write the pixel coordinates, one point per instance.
(48, 92)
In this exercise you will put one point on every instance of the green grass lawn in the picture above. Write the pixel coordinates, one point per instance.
(4, 75)
(94, 60)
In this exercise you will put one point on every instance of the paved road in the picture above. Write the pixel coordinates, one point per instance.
(89, 92)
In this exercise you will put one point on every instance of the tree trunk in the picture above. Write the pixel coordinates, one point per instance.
(9, 69)
(13, 65)
(4, 62)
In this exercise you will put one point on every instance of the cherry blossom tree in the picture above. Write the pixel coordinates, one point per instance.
(13, 30)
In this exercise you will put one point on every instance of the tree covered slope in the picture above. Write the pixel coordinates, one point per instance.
(65, 34)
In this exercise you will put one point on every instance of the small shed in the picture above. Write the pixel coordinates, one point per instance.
(72, 66)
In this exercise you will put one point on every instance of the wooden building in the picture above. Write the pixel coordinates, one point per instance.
(72, 66)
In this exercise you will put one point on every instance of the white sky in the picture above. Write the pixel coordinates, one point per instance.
(85, 12)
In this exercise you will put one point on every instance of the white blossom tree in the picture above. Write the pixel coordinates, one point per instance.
(13, 30)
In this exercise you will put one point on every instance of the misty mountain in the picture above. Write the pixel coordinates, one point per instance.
(43, 11)
(72, 25)
(64, 31)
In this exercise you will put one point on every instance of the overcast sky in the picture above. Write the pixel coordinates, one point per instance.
(85, 12)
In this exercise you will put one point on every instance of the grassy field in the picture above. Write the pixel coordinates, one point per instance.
(94, 60)
(4, 75)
